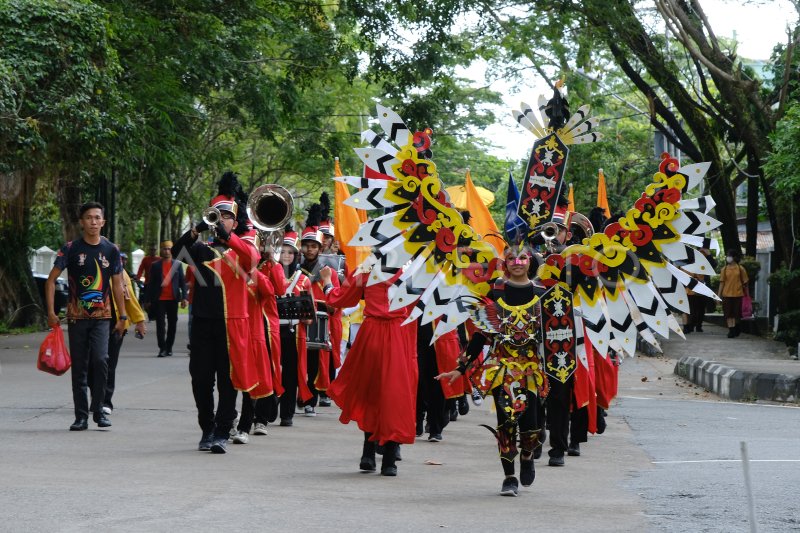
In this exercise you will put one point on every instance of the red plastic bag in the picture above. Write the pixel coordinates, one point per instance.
(53, 355)
(747, 307)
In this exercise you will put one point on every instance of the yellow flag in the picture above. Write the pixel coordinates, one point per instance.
(481, 220)
(347, 221)
(571, 198)
(602, 197)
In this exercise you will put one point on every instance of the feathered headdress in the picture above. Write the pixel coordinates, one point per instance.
(326, 224)
(232, 198)
(311, 231)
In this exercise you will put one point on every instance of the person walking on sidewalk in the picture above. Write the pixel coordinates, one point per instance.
(733, 282)
(95, 271)
(166, 289)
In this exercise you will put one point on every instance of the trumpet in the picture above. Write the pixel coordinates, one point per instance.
(549, 231)
(211, 216)
(270, 207)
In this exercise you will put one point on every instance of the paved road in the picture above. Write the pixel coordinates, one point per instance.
(145, 474)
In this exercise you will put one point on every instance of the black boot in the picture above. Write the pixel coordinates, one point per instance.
(737, 329)
(731, 333)
(388, 467)
(368, 455)
(526, 471)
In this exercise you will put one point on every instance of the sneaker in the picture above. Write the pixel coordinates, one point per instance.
(574, 450)
(435, 437)
(241, 438)
(526, 472)
(106, 410)
(510, 487)
(309, 411)
(324, 401)
(699, 329)
(556, 461)
(477, 399)
(463, 405)
(260, 429)
(389, 470)
(205, 442)
(367, 464)
(220, 445)
(287, 422)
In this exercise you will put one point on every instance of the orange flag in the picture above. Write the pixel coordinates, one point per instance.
(602, 197)
(571, 198)
(347, 221)
(481, 220)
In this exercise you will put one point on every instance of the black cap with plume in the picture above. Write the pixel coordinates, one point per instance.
(229, 185)
(314, 215)
(325, 207)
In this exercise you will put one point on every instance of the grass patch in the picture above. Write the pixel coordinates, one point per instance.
(5, 330)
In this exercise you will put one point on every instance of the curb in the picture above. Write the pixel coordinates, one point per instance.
(728, 382)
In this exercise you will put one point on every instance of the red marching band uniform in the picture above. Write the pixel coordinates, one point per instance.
(302, 284)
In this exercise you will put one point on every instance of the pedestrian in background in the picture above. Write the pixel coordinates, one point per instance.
(732, 287)
(95, 270)
(167, 287)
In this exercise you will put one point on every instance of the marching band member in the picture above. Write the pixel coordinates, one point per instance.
(293, 333)
(220, 332)
(335, 324)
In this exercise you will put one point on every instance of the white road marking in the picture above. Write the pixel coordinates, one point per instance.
(726, 461)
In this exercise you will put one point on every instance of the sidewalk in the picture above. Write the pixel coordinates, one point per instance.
(746, 368)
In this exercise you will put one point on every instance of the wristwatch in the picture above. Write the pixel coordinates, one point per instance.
(123, 317)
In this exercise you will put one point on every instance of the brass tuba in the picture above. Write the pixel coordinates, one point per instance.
(270, 208)
(580, 227)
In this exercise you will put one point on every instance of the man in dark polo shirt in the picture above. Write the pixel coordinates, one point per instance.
(95, 270)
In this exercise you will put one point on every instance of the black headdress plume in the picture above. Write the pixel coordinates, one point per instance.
(229, 185)
(314, 215)
(288, 228)
(325, 207)
(557, 108)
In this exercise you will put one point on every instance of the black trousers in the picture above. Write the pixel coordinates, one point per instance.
(289, 378)
(209, 364)
(579, 425)
(558, 407)
(697, 310)
(261, 410)
(166, 313)
(114, 347)
(313, 369)
(430, 397)
(526, 423)
(88, 347)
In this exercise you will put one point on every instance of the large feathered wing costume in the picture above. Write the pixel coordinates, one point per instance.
(417, 232)
(628, 280)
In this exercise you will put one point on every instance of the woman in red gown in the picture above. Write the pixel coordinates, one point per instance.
(377, 385)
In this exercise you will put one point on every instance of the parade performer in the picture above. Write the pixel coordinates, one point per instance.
(259, 403)
(377, 385)
(610, 288)
(220, 336)
(335, 323)
(293, 333)
(318, 359)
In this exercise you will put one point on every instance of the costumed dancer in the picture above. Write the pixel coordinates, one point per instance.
(377, 384)
(220, 336)
(293, 333)
(318, 359)
(512, 372)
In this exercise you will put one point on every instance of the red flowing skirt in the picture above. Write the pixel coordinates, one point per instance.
(377, 385)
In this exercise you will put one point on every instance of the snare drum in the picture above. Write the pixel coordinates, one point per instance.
(317, 334)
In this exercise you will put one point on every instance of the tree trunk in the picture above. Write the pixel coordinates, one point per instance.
(68, 193)
(20, 304)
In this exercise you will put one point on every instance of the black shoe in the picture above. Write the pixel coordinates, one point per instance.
(574, 450)
(389, 470)
(453, 414)
(219, 445)
(687, 329)
(101, 420)
(435, 437)
(80, 424)
(737, 330)
(162, 353)
(324, 401)
(463, 406)
(367, 464)
(556, 461)
(286, 422)
(379, 449)
(731, 333)
(526, 472)
(206, 441)
(537, 452)
(510, 487)
(699, 329)
(168, 354)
